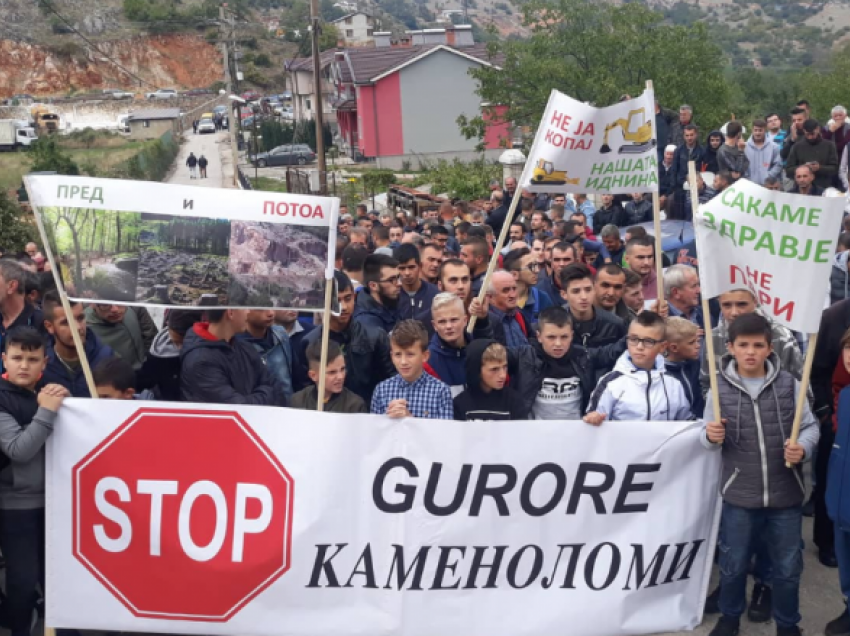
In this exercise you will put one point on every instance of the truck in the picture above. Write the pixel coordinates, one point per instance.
(15, 134)
(45, 121)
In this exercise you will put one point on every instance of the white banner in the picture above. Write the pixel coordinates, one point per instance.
(143, 243)
(265, 521)
(579, 148)
(778, 245)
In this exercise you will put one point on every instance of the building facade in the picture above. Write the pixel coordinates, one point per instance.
(153, 123)
(355, 29)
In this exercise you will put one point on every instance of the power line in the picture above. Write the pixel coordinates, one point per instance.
(50, 8)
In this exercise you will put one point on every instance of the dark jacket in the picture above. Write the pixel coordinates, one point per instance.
(29, 317)
(276, 354)
(369, 312)
(448, 363)
(688, 374)
(161, 370)
(539, 300)
(837, 503)
(497, 217)
(56, 372)
(680, 163)
(367, 356)
(733, 159)
(840, 137)
(192, 161)
(823, 152)
(18, 402)
(637, 212)
(202, 162)
(605, 328)
(709, 159)
(418, 306)
(345, 402)
(666, 123)
(834, 323)
(839, 278)
(615, 214)
(754, 473)
(665, 179)
(225, 372)
(546, 284)
(531, 365)
(473, 404)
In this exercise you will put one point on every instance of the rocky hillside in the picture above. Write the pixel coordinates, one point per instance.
(168, 61)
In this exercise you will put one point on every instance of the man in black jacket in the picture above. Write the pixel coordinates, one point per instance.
(219, 368)
(594, 327)
(161, 369)
(689, 151)
(610, 213)
(377, 302)
(366, 349)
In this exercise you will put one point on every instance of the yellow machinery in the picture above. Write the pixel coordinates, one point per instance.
(45, 121)
(544, 172)
(637, 130)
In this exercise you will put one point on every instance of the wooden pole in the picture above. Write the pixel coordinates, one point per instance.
(326, 330)
(659, 254)
(802, 397)
(63, 296)
(706, 315)
(485, 285)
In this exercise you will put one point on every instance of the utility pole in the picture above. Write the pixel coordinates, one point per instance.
(228, 81)
(319, 115)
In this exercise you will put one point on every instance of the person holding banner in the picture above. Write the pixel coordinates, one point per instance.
(487, 396)
(762, 498)
(26, 421)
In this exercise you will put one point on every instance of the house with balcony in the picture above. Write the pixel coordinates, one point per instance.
(299, 81)
(355, 29)
(399, 105)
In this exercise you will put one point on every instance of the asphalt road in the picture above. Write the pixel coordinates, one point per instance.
(216, 148)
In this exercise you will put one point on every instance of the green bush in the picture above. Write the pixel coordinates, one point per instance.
(154, 162)
(378, 180)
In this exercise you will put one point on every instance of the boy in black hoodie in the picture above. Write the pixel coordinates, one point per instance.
(486, 397)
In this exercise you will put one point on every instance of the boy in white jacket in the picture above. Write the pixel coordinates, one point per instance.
(639, 387)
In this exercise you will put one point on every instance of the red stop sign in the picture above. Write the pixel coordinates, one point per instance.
(183, 514)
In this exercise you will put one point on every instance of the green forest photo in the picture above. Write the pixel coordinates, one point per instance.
(97, 250)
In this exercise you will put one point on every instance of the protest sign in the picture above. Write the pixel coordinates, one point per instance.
(776, 244)
(579, 148)
(142, 243)
(351, 524)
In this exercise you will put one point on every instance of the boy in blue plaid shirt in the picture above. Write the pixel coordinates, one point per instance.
(412, 393)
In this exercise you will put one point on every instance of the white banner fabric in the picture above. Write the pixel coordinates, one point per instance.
(580, 148)
(778, 245)
(204, 519)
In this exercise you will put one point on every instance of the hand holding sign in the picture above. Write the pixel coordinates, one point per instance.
(716, 432)
(794, 453)
(595, 418)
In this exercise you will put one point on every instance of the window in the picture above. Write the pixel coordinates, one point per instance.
(349, 33)
(349, 20)
(146, 124)
(308, 104)
(369, 32)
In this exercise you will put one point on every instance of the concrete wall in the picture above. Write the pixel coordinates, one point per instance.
(434, 92)
(396, 162)
(157, 128)
(360, 28)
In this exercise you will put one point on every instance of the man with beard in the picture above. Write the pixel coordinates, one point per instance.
(795, 132)
(640, 258)
(63, 363)
(474, 252)
(762, 155)
(416, 294)
(366, 349)
(377, 302)
(804, 178)
(523, 266)
(609, 285)
(817, 153)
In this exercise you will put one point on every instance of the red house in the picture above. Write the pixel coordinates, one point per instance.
(400, 104)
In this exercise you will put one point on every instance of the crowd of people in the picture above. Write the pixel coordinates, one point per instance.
(574, 325)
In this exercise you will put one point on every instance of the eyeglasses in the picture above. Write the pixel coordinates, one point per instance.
(533, 267)
(643, 342)
(391, 279)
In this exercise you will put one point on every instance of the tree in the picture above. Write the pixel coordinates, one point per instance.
(46, 156)
(17, 230)
(595, 52)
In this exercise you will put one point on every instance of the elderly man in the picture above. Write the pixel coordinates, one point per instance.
(508, 324)
(682, 290)
(120, 329)
(837, 129)
(804, 177)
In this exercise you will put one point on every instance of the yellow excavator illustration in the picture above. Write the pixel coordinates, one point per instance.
(544, 172)
(637, 130)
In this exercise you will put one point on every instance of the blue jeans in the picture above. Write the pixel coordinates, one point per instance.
(22, 543)
(842, 555)
(780, 530)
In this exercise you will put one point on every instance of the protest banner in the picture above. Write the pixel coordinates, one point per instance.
(776, 244)
(314, 523)
(580, 148)
(142, 243)
(573, 151)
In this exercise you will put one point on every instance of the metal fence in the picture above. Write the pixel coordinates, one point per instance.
(244, 181)
(350, 191)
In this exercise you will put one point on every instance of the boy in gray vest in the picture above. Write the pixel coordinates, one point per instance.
(762, 498)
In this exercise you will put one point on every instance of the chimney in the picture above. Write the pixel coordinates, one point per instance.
(434, 36)
(463, 35)
(416, 37)
(382, 38)
(339, 56)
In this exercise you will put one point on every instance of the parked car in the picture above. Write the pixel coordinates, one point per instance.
(206, 126)
(284, 112)
(162, 93)
(290, 154)
(115, 93)
(198, 91)
(250, 96)
(221, 108)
